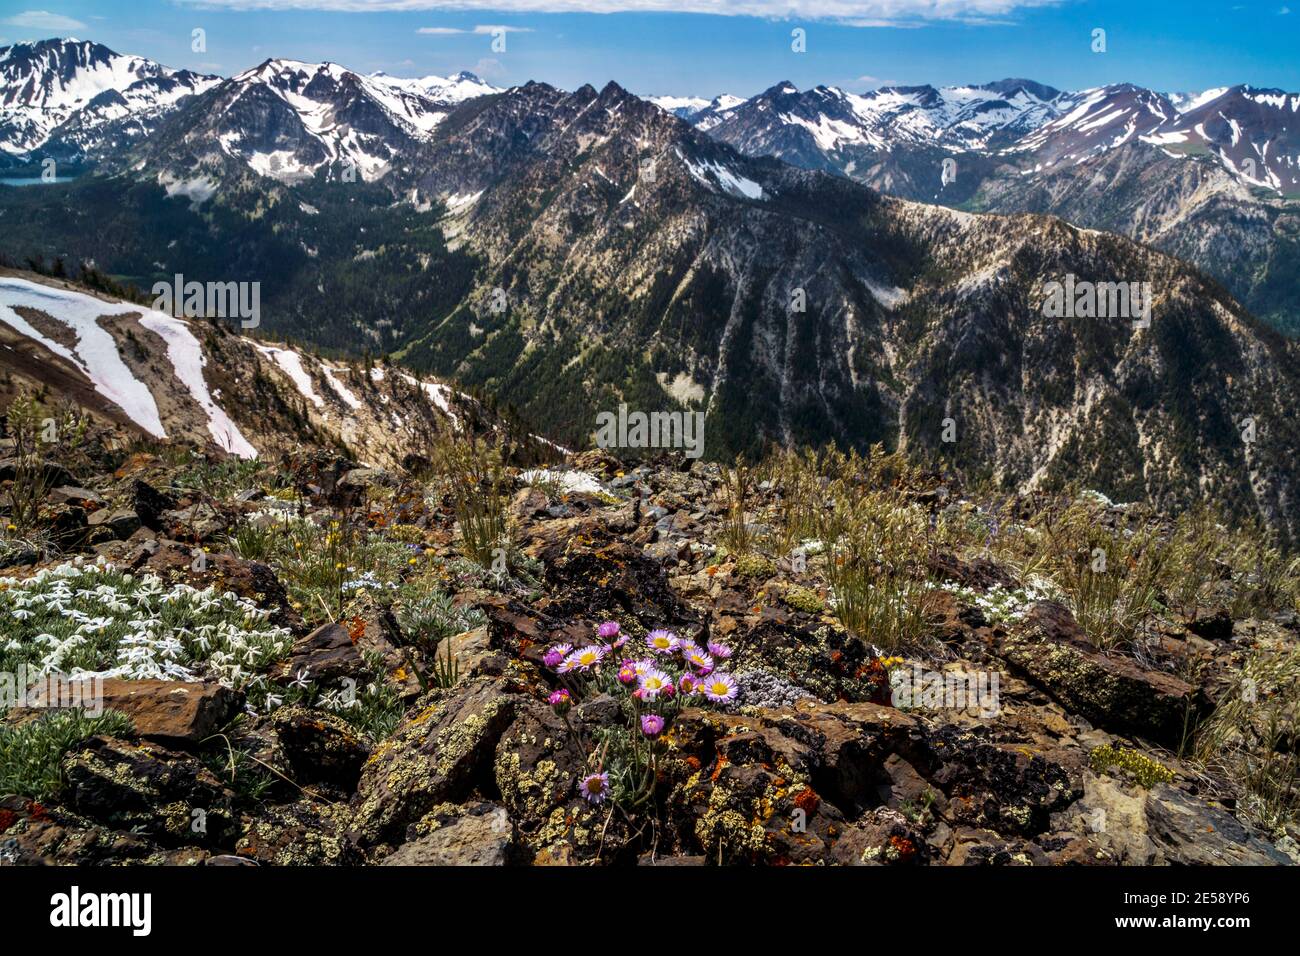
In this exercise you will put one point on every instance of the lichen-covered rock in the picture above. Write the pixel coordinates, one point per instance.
(1164, 825)
(35, 835)
(476, 834)
(320, 747)
(432, 757)
(141, 786)
(1001, 787)
(882, 837)
(304, 833)
(536, 766)
(1051, 650)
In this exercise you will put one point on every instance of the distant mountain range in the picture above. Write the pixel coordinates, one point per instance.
(1212, 177)
(570, 251)
(79, 101)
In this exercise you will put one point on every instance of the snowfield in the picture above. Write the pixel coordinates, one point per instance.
(95, 353)
(96, 356)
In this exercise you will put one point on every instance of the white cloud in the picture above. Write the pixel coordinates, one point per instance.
(875, 13)
(486, 29)
(44, 20)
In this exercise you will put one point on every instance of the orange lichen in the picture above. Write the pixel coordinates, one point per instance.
(807, 800)
(722, 762)
(903, 847)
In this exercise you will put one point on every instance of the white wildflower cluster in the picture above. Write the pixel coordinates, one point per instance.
(281, 516)
(91, 619)
(1000, 604)
(367, 581)
(1090, 494)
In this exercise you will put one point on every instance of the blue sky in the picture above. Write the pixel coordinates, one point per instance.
(1162, 44)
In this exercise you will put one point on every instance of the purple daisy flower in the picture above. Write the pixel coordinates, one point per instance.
(653, 683)
(662, 642)
(701, 661)
(583, 659)
(608, 629)
(560, 700)
(555, 654)
(594, 787)
(720, 688)
(719, 650)
(651, 724)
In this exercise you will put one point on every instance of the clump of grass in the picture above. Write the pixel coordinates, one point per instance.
(479, 487)
(31, 753)
(1112, 579)
(799, 483)
(736, 535)
(1249, 742)
(1192, 551)
(1265, 578)
(257, 540)
(218, 479)
(322, 568)
(30, 483)
(879, 582)
(1145, 771)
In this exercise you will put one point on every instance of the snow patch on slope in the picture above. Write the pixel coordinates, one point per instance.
(95, 353)
(187, 358)
(290, 362)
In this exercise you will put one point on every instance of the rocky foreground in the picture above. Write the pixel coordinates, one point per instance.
(312, 670)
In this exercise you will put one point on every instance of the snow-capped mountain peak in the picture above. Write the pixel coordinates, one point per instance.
(287, 118)
(74, 99)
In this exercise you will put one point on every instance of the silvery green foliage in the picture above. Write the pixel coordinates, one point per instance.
(765, 689)
(431, 617)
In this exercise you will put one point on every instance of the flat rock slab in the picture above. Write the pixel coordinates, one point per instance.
(172, 712)
(476, 834)
(1116, 693)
